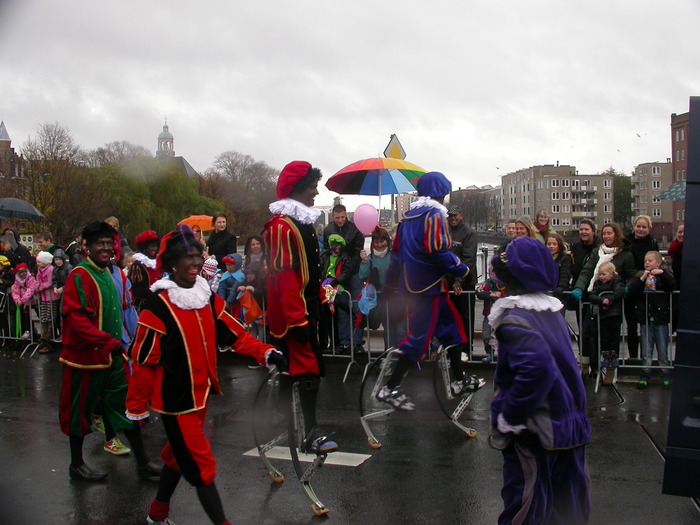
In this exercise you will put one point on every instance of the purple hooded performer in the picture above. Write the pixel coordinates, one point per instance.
(420, 262)
(538, 415)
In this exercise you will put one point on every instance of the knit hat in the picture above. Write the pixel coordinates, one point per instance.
(20, 266)
(210, 265)
(44, 258)
(335, 238)
(59, 254)
(529, 261)
(433, 184)
(233, 258)
(4, 261)
(289, 176)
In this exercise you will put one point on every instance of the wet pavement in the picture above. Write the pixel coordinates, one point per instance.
(427, 472)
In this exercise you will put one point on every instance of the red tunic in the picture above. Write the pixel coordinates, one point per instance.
(175, 355)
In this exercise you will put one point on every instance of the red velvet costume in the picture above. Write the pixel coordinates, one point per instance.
(293, 288)
(175, 355)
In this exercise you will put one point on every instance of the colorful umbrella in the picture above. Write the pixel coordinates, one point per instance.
(203, 221)
(376, 176)
(675, 192)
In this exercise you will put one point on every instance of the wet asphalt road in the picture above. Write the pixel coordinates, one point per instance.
(427, 472)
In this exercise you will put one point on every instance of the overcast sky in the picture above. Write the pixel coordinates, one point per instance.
(474, 89)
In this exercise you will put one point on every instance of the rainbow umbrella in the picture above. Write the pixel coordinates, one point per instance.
(376, 176)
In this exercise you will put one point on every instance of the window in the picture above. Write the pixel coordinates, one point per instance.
(566, 221)
(607, 196)
(682, 154)
(656, 185)
(555, 183)
(555, 221)
(555, 208)
(566, 195)
(678, 155)
(607, 220)
(607, 208)
(566, 208)
(655, 171)
(607, 183)
(656, 199)
(575, 183)
(677, 135)
(657, 212)
(682, 134)
(555, 195)
(682, 174)
(643, 199)
(565, 183)
(678, 175)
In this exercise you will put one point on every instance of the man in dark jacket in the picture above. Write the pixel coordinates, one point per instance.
(464, 247)
(354, 240)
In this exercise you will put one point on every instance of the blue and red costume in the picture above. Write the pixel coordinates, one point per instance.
(420, 262)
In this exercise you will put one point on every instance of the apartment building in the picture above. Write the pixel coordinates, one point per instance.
(566, 195)
(648, 181)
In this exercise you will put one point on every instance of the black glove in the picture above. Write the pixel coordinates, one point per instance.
(118, 350)
(301, 333)
(276, 359)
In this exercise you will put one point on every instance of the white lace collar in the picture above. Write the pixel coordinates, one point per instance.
(145, 260)
(186, 298)
(537, 302)
(296, 210)
(427, 202)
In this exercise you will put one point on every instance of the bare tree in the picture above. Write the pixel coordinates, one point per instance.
(117, 152)
(53, 142)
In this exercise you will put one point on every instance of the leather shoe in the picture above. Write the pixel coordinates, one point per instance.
(85, 473)
(148, 471)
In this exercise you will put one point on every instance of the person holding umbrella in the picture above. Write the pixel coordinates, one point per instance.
(420, 261)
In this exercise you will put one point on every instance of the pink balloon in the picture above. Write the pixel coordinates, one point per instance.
(366, 218)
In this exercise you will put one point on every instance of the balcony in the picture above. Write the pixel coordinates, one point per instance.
(584, 214)
(584, 189)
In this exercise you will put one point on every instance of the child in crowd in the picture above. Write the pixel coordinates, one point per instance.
(48, 300)
(560, 251)
(336, 271)
(210, 271)
(7, 278)
(23, 295)
(232, 278)
(606, 306)
(61, 269)
(651, 292)
(488, 292)
(127, 262)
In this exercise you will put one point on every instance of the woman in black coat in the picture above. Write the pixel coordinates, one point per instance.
(222, 242)
(641, 242)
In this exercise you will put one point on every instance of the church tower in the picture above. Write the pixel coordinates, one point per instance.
(165, 143)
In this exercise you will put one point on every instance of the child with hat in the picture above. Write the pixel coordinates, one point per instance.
(48, 300)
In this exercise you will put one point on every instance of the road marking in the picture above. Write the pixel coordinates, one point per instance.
(342, 459)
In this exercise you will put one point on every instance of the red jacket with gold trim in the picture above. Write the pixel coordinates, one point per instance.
(175, 354)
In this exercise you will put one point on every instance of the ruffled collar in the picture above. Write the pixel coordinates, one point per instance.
(145, 260)
(427, 202)
(537, 302)
(185, 298)
(295, 210)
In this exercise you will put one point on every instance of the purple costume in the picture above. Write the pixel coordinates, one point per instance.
(420, 262)
(538, 415)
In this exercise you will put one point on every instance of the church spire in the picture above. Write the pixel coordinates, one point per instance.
(165, 143)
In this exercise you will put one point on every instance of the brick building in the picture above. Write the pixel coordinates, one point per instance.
(679, 160)
(648, 181)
